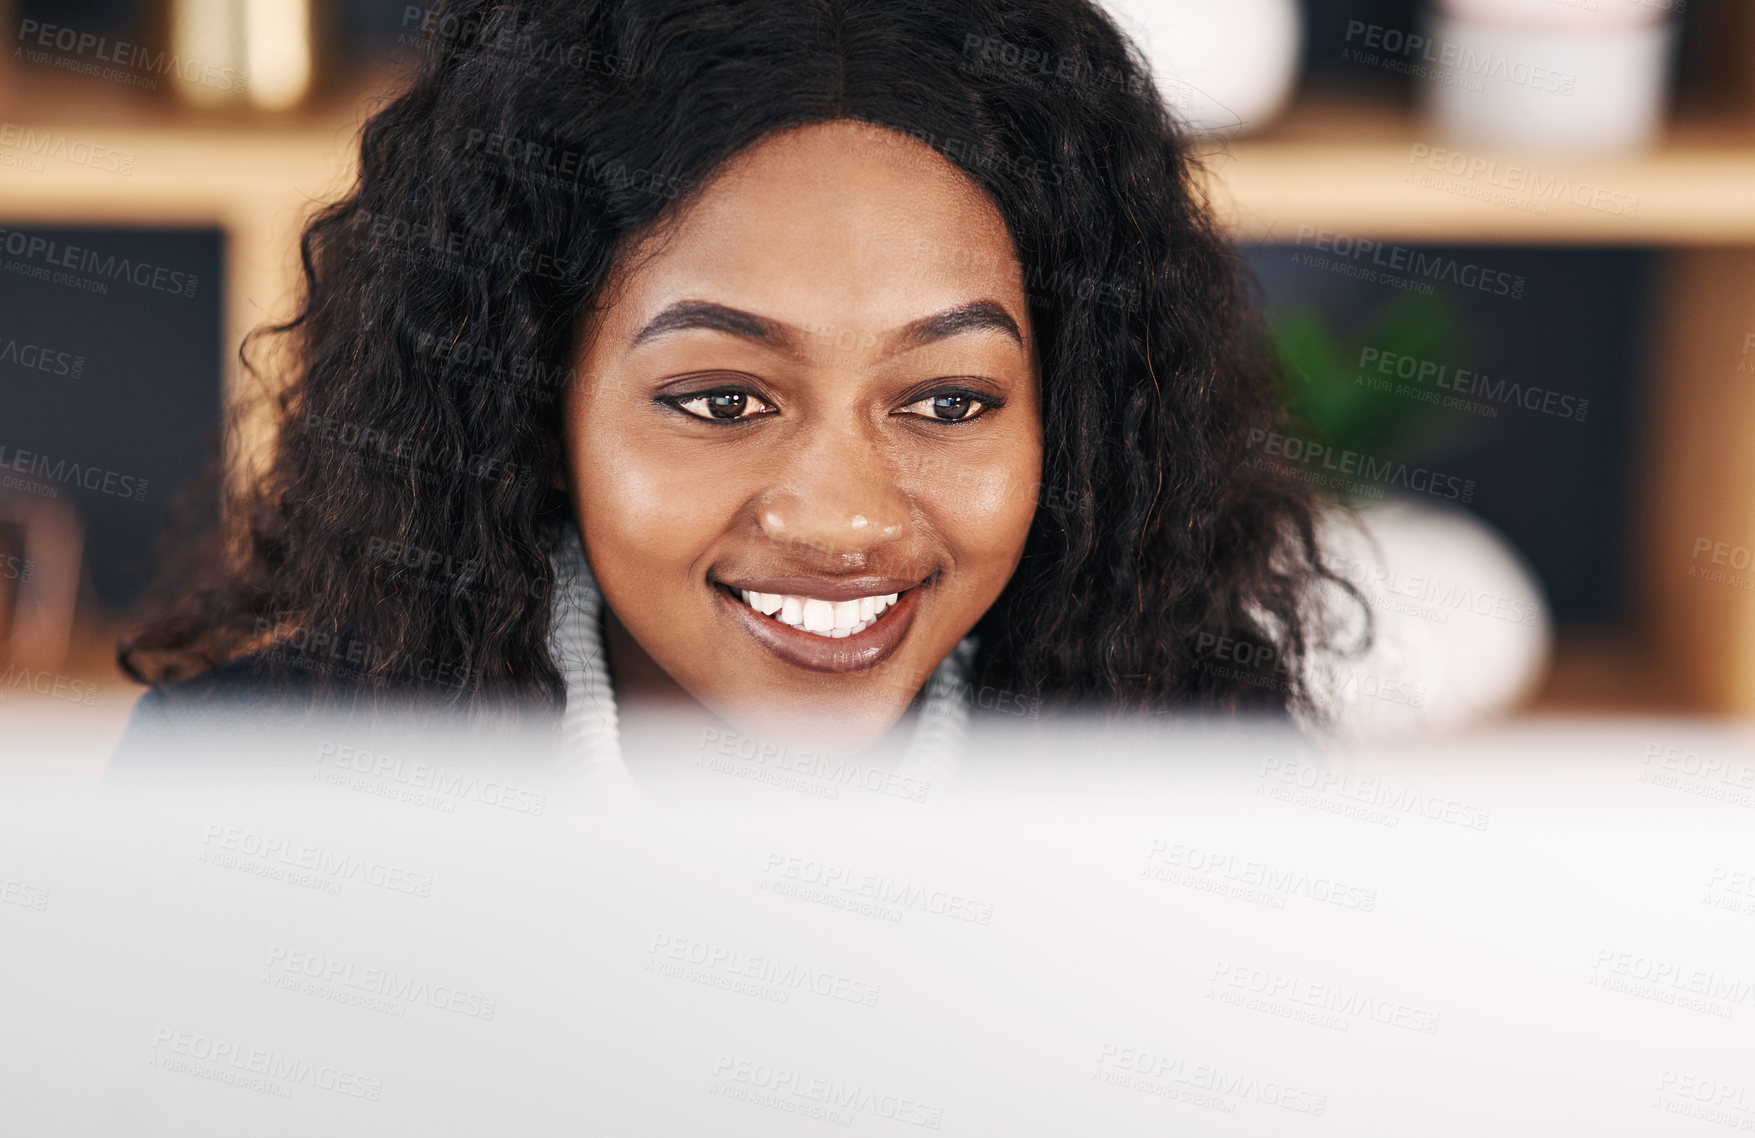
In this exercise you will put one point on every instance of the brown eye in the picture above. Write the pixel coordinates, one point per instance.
(725, 406)
(728, 405)
(953, 406)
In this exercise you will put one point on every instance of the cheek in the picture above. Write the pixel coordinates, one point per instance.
(644, 506)
(984, 511)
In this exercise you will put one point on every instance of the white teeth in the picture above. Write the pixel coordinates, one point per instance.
(835, 619)
(765, 603)
(819, 616)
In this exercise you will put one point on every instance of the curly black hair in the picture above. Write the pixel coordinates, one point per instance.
(537, 139)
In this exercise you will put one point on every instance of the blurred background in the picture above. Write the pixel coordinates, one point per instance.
(1506, 243)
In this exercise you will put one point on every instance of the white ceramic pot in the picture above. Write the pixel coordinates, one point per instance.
(1547, 88)
(1223, 66)
(1462, 631)
(1564, 15)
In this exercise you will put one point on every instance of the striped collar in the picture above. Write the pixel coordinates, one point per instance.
(590, 738)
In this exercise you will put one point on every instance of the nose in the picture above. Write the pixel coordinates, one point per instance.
(838, 493)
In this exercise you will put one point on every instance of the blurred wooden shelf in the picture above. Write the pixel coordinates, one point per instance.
(1607, 676)
(1349, 165)
(255, 177)
(1354, 166)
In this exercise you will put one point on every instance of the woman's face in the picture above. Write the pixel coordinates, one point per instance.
(804, 440)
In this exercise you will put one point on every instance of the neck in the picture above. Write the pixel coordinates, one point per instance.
(639, 682)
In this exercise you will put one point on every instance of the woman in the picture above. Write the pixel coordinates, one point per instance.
(793, 352)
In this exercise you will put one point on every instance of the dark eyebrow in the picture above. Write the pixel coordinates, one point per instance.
(982, 314)
(686, 314)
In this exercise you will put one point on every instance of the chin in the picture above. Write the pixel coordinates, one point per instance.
(844, 724)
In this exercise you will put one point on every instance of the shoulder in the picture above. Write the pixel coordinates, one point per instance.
(245, 683)
(247, 719)
(203, 709)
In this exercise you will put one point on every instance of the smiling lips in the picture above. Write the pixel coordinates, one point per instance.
(824, 625)
(834, 619)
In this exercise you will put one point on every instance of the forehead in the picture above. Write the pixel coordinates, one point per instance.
(829, 225)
